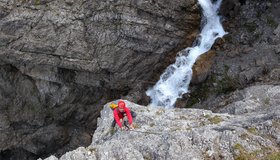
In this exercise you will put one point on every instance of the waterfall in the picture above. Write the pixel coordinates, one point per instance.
(175, 80)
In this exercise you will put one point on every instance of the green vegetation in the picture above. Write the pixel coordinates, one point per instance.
(37, 2)
(273, 156)
(244, 136)
(202, 124)
(266, 152)
(259, 14)
(215, 119)
(50, 114)
(251, 26)
(227, 84)
(270, 20)
(112, 131)
(207, 116)
(34, 108)
(266, 101)
(243, 154)
(201, 93)
(223, 85)
(252, 130)
(257, 35)
(228, 38)
(183, 8)
(147, 156)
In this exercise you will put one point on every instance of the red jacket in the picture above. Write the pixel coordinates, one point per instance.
(120, 115)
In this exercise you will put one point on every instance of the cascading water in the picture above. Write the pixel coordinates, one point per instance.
(175, 80)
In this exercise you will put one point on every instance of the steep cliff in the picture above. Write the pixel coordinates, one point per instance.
(249, 54)
(60, 61)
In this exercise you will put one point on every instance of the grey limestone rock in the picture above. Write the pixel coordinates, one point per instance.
(192, 133)
(61, 60)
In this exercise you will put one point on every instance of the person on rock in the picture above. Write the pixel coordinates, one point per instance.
(119, 113)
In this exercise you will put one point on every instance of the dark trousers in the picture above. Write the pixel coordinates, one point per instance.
(133, 115)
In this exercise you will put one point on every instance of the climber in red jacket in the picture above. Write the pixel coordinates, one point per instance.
(120, 112)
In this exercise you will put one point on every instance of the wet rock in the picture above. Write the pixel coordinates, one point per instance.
(248, 53)
(202, 67)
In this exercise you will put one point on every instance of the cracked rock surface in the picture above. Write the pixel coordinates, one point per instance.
(192, 133)
(61, 60)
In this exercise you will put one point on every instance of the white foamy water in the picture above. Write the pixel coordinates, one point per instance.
(175, 80)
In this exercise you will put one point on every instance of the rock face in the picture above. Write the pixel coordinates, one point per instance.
(247, 55)
(60, 61)
(251, 132)
(98, 42)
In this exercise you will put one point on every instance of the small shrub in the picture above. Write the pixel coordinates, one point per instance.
(252, 130)
(37, 2)
(273, 156)
(207, 116)
(215, 119)
(243, 154)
